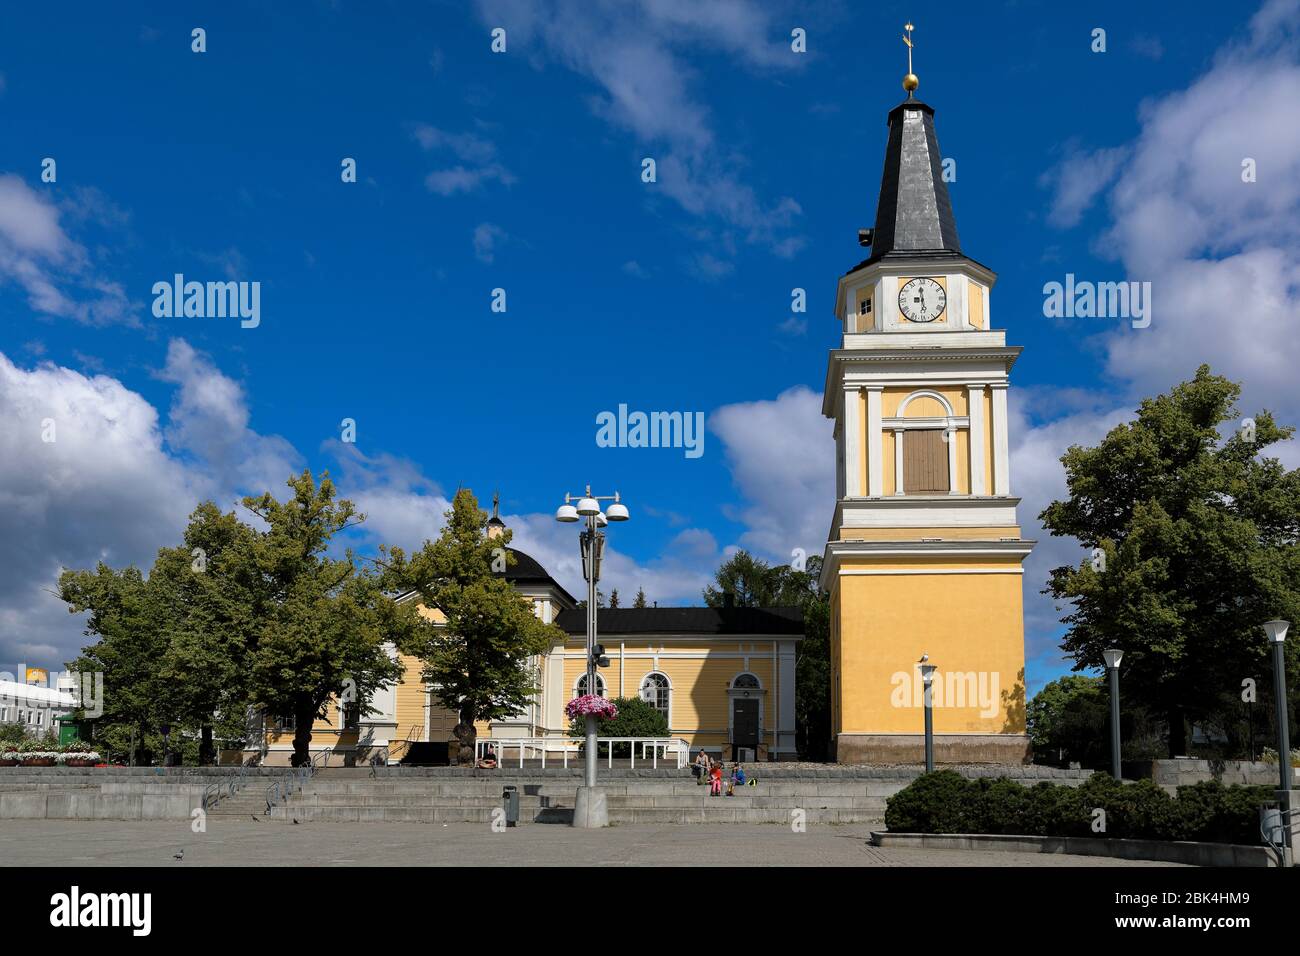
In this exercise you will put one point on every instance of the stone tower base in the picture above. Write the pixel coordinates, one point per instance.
(948, 749)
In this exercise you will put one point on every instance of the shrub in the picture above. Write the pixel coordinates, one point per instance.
(12, 733)
(946, 802)
(937, 802)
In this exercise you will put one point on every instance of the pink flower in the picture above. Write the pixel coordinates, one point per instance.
(591, 704)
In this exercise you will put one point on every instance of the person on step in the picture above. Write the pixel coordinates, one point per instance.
(701, 767)
(715, 780)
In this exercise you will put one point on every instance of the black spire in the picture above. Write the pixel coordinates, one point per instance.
(914, 214)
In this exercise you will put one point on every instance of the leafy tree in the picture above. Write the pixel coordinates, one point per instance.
(211, 589)
(750, 581)
(478, 656)
(1199, 539)
(640, 600)
(322, 622)
(131, 626)
(1068, 720)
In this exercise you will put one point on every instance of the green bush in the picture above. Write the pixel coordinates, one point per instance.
(933, 803)
(946, 802)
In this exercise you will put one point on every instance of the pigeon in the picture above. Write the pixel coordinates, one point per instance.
(255, 818)
(179, 856)
(924, 658)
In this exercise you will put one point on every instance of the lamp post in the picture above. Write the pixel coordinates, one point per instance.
(927, 678)
(589, 809)
(1276, 631)
(1113, 657)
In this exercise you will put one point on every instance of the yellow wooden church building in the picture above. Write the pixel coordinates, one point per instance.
(724, 678)
(925, 552)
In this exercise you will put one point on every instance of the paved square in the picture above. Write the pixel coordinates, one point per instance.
(249, 843)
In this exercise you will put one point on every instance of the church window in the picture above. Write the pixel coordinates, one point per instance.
(656, 691)
(925, 462)
(582, 686)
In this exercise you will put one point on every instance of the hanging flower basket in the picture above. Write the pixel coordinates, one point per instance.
(593, 705)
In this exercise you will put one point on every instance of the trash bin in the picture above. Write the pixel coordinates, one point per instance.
(510, 803)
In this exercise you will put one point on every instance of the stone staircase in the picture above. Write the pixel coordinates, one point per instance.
(249, 802)
(630, 801)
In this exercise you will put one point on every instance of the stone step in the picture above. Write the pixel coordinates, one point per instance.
(684, 801)
(617, 815)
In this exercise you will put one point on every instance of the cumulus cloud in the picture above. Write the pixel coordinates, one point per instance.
(105, 488)
(780, 453)
(1220, 253)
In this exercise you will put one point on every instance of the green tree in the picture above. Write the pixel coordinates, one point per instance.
(323, 622)
(640, 600)
(210, 587)
(1068, 720)
(478, 656)
(130, 626)
(750, 581)
(1196, 546)
(613, 598)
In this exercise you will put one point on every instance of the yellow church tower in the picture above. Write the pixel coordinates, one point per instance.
(924, 562)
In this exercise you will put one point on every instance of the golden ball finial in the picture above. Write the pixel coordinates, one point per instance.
(911, 82)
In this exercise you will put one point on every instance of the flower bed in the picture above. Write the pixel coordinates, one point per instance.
(72, 756)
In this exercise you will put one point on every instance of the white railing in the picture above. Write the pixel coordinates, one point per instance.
(537, 748)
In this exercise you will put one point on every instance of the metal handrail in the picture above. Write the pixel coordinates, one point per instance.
(571, 745)
(405, 743)
(212, 793)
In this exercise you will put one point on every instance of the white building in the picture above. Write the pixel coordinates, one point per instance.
(35, 707)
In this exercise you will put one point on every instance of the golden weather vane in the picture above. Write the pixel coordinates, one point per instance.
(911, 81)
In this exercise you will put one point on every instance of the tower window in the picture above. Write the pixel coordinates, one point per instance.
(925, 462)
(864, 307)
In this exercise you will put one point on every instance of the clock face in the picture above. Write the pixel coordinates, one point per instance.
(922, 300)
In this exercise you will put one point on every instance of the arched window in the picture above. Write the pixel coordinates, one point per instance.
(745, 681)
(580, 688)
(657, 692)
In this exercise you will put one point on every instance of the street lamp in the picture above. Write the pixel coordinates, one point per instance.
(1113, 657)
(589, 807)
(927, 678)
(1276, 631)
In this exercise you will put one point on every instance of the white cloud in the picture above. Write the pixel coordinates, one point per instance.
(56, 273)
(634, 53)
(782, 460)
(486, 237)
(105, 489)
(478, 164)
(1221, 256)
(1078, 180)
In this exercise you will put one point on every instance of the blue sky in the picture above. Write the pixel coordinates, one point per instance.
(521, 171)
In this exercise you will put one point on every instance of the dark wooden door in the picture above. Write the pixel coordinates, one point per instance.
(744, 729)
